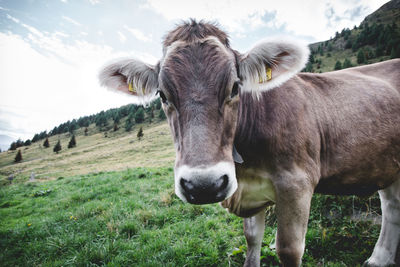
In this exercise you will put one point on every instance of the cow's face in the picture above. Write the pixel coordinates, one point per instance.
(199, 81)
(200, 88)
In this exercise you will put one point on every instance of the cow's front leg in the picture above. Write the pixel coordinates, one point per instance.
(254, 233)
(292, 209)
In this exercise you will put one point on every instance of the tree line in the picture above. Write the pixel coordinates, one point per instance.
(104, 121)
(366, 41)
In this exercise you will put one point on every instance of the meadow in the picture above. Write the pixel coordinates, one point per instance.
(133, 218)
(96, 205)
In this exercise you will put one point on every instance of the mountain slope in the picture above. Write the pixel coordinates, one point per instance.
(376, 39)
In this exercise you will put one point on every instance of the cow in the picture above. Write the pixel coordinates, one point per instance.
(250, 130)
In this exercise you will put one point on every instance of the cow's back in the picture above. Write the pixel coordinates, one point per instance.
(357, 114)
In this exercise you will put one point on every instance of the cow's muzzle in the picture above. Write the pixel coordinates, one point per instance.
(206, 184)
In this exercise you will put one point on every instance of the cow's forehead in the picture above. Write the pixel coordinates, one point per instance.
(196, 65)
(212, 41)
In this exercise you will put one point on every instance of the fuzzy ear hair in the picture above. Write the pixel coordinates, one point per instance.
(132, 77)
(271, 63)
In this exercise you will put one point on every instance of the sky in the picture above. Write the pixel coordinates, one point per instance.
(52, 51)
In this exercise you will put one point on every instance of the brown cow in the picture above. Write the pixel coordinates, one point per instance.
(297, 133)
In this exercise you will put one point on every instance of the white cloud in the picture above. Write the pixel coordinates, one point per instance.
(70, 20)
(62, 34)
(57, 84)
(121, 37)
(64, 1)
(304, 18)
(138, 34)
(12, 18)
(94, 2)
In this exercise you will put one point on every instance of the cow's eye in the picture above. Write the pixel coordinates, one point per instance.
(235, 90)
(162, 96)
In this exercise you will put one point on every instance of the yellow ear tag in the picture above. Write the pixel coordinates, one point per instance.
(268, 71)
(268, 75)
(131, 88)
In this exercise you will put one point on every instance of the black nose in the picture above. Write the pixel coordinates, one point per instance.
(199, 192)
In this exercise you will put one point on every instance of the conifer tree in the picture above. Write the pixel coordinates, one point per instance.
(18, 157)
(128, 125)
(338, 65)
(139, 115)
(161, 115)
(46, 143)
(72, 142)
(347, 64)
(57, 147)
(140, 133)
(360, 56)
(13, 146)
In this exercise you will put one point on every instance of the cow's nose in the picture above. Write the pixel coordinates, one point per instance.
(202, 192)
(205, 184)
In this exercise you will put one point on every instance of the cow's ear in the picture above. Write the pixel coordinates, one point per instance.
(132, 77)
(271, 63)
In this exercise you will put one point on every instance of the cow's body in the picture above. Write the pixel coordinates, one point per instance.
(343, 127)
(335, 133)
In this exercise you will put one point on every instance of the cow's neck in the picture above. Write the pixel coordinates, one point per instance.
(262, 120)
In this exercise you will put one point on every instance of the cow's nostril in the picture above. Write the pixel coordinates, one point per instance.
(222, 182)
(186, 185)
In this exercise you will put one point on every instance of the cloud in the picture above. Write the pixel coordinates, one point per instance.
(121, 37)
(94, 2)
(138, 34)
(317, 18)
(12, 18)
(47, 81)
(72, 21)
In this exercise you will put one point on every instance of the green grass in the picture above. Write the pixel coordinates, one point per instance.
(133, 218)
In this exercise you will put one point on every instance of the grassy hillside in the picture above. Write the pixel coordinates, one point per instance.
(133, 218)
(93, 153)
(110, 200)
(377, 38)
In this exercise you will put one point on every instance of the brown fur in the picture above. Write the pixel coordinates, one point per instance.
(334, 133)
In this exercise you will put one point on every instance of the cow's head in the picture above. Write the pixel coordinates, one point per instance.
(200, 80)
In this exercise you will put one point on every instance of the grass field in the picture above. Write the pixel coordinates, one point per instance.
(133, 218)
(95, 205)
(93, 153)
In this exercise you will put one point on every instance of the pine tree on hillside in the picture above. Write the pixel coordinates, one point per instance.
(161, 115)
(338, 65)
(128, 125)
(13, 146)
(140, 133)
(46, 143)
(18, 157)
(72, 142)
(360, 56)
(347, 64)
(395, 53)
(139, 115)
(158, 103)
(57, 147)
